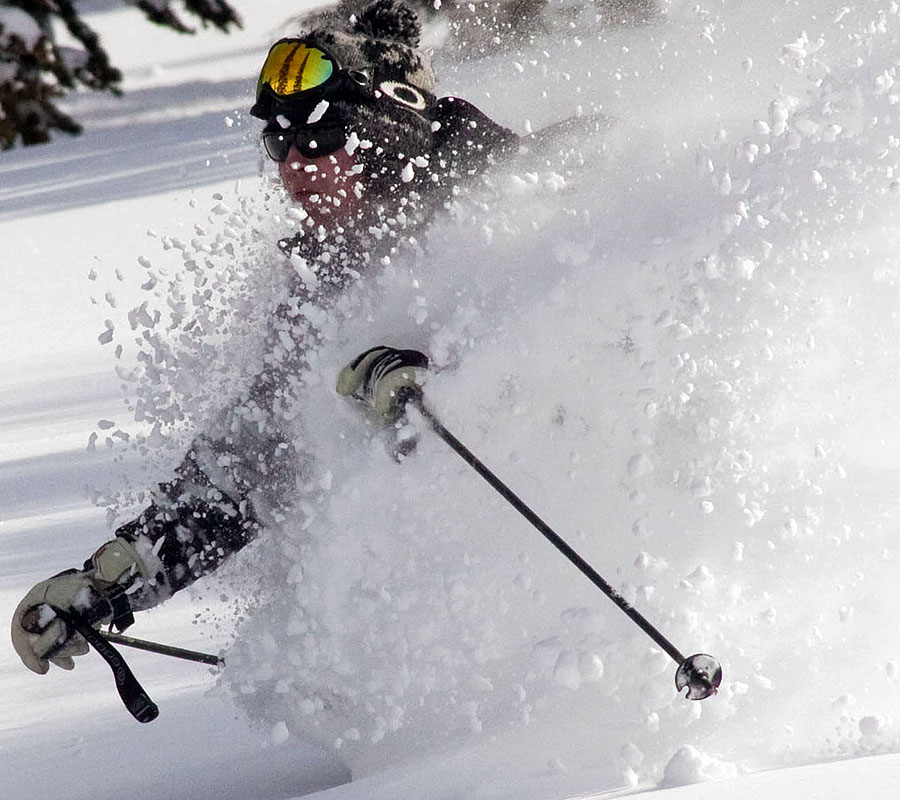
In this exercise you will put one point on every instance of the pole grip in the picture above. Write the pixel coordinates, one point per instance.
(136, 700)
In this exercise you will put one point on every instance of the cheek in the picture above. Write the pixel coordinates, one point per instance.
(289, 170)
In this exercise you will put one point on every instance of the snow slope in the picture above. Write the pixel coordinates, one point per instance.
(674, 338)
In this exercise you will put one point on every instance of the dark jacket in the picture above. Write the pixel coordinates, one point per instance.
(240, 477)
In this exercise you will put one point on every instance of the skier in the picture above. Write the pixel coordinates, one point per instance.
(369, 152)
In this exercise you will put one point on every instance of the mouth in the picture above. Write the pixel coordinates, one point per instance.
(301, 184)
(316, 197)
(326, 186)
(303, 192)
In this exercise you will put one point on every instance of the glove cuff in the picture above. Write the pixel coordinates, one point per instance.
(122, 615)
(116, 564)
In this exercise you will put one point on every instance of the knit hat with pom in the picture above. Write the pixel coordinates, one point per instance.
(388, 107)
(383, 38)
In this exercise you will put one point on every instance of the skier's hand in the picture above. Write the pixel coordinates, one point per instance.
(94, 596)
(384, 378)
(40, 636)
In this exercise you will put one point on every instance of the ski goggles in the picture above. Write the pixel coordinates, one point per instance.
(312, 142)
(294, 70)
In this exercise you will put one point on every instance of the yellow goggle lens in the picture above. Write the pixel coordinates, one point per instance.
(293, 67)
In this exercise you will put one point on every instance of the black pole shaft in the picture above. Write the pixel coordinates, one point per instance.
(163, 649)
(471, 459)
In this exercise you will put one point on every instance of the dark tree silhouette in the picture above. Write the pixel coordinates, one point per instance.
(35, 71)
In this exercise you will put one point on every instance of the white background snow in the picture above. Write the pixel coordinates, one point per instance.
(677, 339)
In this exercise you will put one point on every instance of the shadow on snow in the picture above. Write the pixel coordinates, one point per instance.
(148, 142)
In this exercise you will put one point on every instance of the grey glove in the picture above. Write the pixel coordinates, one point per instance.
(94, 596)
(384, 378)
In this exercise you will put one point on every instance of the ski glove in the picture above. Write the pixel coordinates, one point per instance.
(384, 378)
(95, 595)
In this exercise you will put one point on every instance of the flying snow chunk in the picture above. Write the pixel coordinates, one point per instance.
(590, 665)
(566, 672)
(701, 486)
(303, 270)
(725, 185)
(872, 725)
(689, 765)
(353, 142)
(744, 267)
(107, 336)
(640, 465)
(280, 733)
(317, 113)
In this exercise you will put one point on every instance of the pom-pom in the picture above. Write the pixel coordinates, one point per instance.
(389, 19)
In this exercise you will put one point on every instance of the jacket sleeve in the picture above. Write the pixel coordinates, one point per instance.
(233, 481)
(191, 526)
(466, 139)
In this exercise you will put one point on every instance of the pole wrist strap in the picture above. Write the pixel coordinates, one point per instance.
(122, 615)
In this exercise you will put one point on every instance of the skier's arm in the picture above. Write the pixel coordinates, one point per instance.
(223, 490)
(189, 529)
(231, 482)
(234, 479)
(466, 139)
(191, 526)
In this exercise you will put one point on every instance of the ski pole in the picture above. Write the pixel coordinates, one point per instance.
(700, 674)
(133, 695)
(163, 649)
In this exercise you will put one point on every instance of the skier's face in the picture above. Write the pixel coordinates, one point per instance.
(329, 188)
